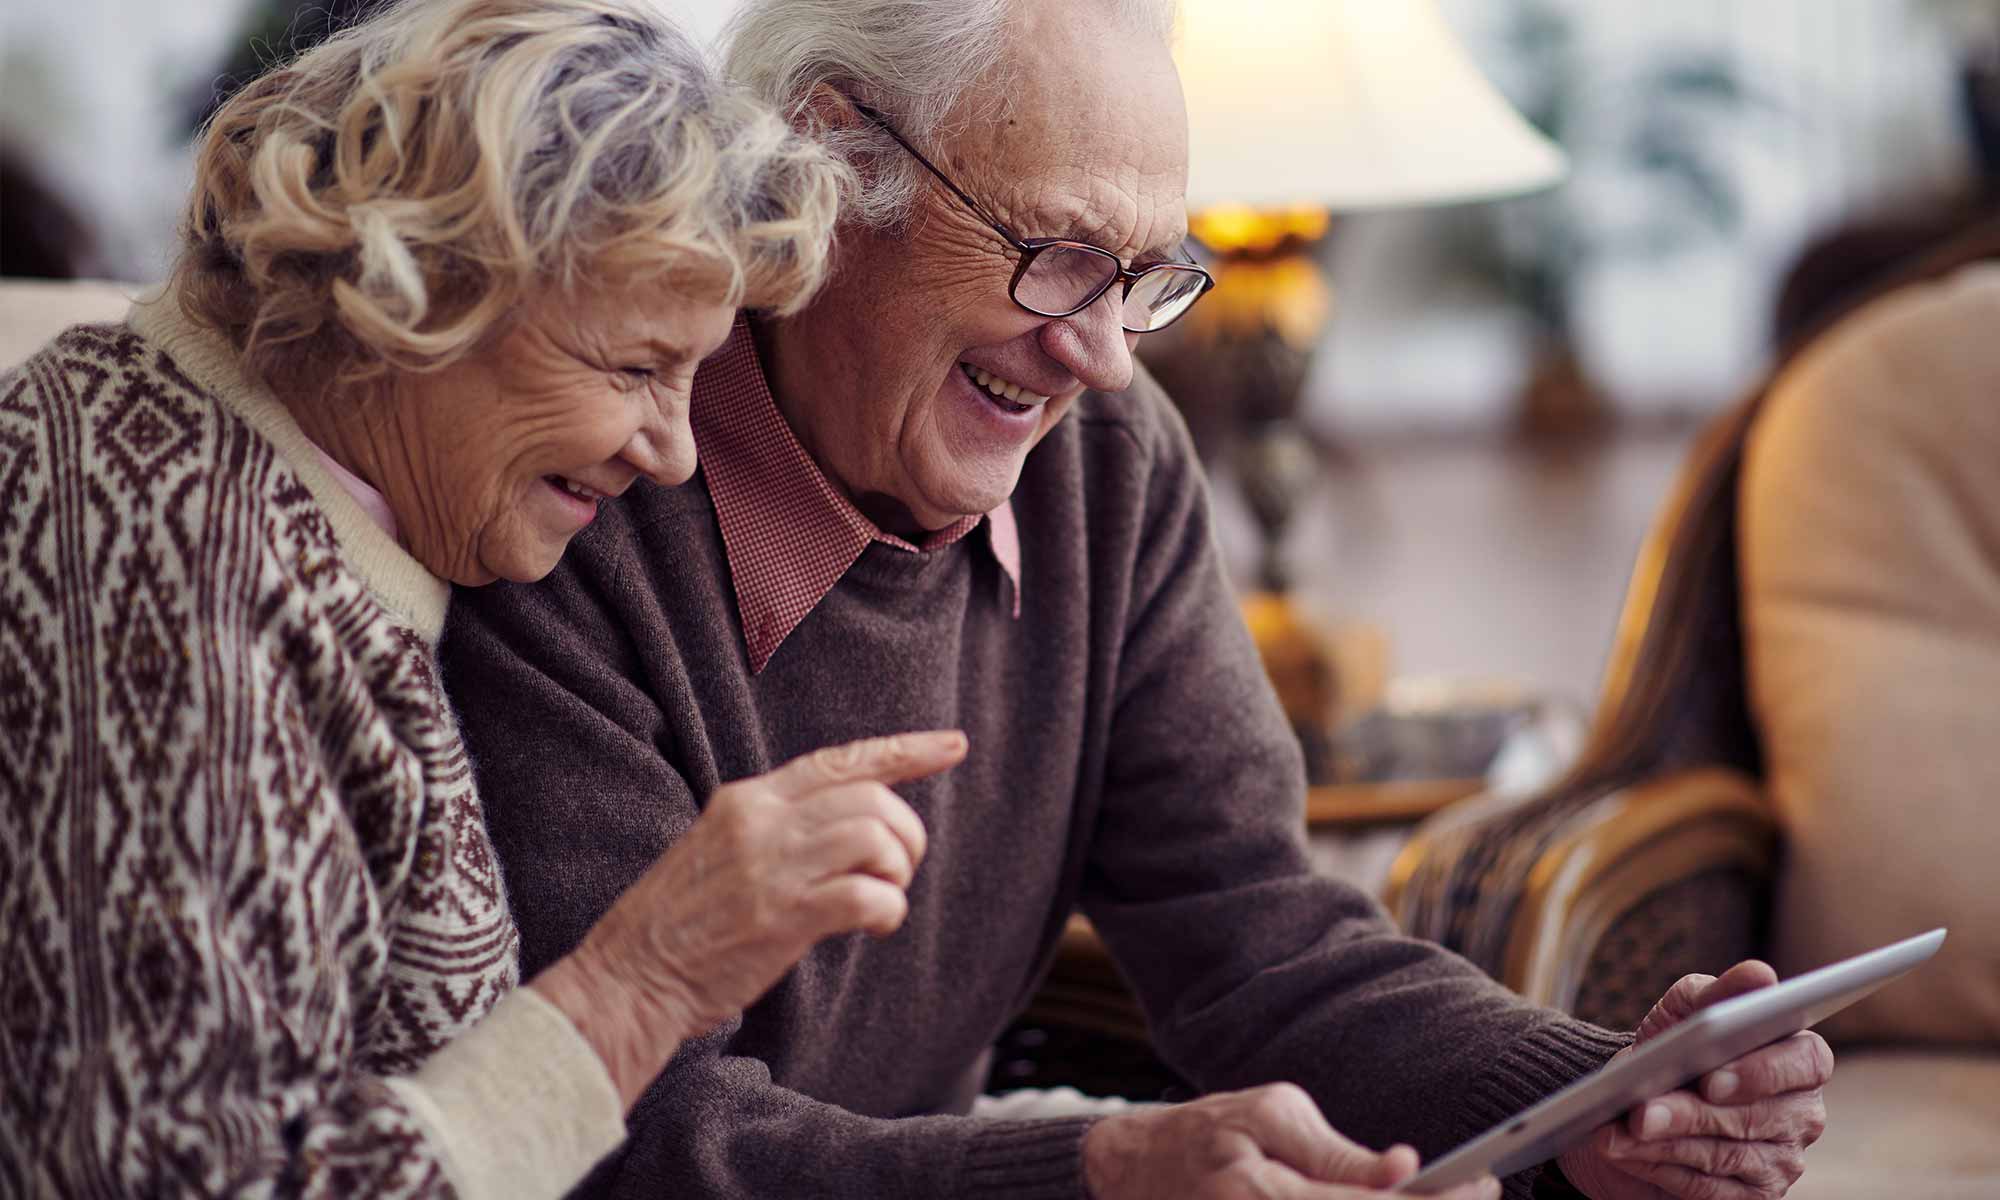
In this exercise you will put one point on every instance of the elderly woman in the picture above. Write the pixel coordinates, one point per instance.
(942, 487)
(446, 282)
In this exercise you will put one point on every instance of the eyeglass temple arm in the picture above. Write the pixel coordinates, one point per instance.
(1127, 276)
(881, 122)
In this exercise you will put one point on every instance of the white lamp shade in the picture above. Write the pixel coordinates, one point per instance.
(1347, 105)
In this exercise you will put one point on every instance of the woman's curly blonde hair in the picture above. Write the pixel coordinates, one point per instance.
(386, 200)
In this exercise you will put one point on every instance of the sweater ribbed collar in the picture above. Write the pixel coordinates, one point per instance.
(397, 579)
(789, 533)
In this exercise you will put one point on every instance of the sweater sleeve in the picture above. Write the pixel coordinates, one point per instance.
(714, 1124)
(1251, 967)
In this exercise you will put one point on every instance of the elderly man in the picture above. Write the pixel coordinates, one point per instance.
(943, 494)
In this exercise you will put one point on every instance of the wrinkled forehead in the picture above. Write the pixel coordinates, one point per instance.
(1087, 137)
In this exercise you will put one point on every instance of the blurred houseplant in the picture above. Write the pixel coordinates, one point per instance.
(1975, 26)
(1650, 179)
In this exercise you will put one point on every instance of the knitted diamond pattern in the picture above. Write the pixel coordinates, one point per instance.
(243, 871)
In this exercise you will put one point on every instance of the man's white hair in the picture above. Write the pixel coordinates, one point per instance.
(912, 59)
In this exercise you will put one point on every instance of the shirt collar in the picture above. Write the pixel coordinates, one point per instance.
(788, 532)
(372, 502)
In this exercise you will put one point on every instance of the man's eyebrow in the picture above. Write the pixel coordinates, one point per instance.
(1166, 250)
(1172, 249)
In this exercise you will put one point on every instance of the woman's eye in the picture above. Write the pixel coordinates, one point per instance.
(642, 373)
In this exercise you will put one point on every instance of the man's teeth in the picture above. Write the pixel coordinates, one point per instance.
(1013, 392)
(578, 490)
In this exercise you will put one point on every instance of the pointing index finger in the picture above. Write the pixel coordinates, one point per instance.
(897, 758)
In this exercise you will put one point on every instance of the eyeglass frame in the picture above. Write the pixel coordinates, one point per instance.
(1030, 249)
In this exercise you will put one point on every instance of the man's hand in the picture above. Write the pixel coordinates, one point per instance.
(1742, 1135)
(1268, 1143)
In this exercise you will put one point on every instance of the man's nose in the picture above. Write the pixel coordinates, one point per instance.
(1092, 345)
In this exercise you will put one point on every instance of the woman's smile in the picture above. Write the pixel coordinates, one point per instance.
(578, 500)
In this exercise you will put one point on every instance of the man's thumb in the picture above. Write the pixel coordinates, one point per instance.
(1396, 1164)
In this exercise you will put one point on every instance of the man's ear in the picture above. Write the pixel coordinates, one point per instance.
(833, 117)
(826, 111)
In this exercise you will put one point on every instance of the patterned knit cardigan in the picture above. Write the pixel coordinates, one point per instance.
(252, 934)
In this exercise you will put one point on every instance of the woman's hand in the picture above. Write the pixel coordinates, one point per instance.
(1267, 1143)
(817, 847)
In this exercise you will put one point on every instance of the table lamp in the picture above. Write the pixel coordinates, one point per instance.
(1299, 110)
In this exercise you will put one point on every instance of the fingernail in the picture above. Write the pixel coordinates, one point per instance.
(1656, 1121)
(1722, 1085)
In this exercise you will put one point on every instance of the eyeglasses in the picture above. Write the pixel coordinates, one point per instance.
(1057, 277)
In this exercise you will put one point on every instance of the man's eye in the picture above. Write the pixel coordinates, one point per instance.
(641, 373)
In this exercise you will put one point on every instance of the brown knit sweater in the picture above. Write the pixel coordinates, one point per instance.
(1128, 758)
(252, 937)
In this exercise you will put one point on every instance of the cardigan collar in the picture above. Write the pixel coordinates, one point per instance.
(396, 578)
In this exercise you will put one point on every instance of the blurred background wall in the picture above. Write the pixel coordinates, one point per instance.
(1710, 142)
(96, 97)
(1505, 389)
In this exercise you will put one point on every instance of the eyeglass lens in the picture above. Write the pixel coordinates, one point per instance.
(1158, 297)
(1063, 278)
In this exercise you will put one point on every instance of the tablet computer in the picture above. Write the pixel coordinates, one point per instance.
(1708, 1039)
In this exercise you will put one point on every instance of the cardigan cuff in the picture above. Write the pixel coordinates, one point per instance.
(1537, 1065)
(1028, 1160)
(519, 1105)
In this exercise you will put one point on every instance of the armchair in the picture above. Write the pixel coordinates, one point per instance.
(1793, 756)
(1656, 849)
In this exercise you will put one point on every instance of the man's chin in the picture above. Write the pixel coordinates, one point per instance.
(975, 501)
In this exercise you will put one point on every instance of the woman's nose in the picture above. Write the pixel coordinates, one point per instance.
(662, 448)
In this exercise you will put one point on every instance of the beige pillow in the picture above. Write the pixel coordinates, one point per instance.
(1870, 549)
(34, 310)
